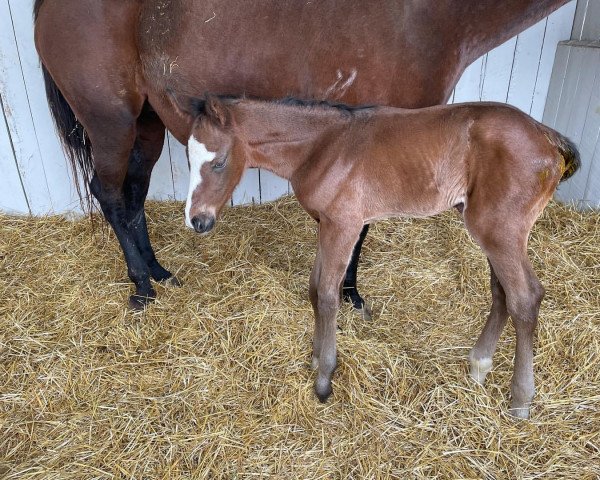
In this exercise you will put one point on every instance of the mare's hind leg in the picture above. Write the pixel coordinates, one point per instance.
(506, 249)
(349, 290)
(145, 154)
(481, 354)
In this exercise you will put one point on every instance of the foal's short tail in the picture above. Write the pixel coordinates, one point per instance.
(74, 139)
(567, 150)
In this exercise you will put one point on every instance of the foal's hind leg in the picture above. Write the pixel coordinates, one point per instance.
(524, 294)
(145, 154)
(481, 354)
(313, 294)
(506, 249)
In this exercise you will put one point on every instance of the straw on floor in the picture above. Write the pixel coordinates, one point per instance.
(213, 380)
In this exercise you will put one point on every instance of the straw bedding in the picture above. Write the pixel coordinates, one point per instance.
(213, 380)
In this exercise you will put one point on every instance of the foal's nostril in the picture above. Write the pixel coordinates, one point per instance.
(203, 223)
(197, 223)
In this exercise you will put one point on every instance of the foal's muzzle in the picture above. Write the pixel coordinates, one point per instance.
(203, 223)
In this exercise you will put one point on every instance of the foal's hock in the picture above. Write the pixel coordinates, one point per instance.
(351, 166)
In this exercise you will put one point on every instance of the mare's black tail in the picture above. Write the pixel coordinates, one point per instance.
(74, 139)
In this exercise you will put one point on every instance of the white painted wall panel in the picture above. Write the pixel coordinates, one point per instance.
(161, 182)
(248, 191)
(591, 195)
(41, 139)
(12, 197)
(179, 166)
(587, 21)
(525, 67)
(497, 70)
(19, 118)
(573, 108)
(469, 87)
(558, 27)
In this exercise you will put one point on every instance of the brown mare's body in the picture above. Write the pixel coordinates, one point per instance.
(110, 61)
(348, 169)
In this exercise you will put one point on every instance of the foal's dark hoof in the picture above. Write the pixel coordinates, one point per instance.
(323, 392)
(172, 281)
(138, 302)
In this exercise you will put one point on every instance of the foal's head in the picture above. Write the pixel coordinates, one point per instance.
(216, 158)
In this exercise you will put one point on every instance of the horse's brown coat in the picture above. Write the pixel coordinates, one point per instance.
(110, 59)
(348, 169)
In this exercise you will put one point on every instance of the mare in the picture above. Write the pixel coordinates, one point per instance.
(108, 63)
(350, 167)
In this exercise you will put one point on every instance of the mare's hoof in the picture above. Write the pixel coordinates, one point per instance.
(138, 302)
(365, 312)
(351, 295)
(323, 390)
(172, 281)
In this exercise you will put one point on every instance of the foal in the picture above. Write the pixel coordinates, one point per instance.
(352, 166)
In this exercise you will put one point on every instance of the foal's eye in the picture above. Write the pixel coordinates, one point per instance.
(220, 164)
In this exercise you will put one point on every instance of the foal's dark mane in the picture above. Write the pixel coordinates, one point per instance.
(202, 106)
(295, 102)
(342, 107)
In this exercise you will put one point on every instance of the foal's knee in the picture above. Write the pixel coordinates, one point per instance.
(328, 301)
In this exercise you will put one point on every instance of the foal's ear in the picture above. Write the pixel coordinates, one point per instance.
(186, 105)
(217, 111)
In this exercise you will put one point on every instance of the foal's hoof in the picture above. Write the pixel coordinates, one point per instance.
(172, 281)
(138, 302)
(480, 368)
(323, 390)
(521, 413)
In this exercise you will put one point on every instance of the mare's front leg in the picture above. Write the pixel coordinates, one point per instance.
(336, 243)
(349, 290)
(112, 143)
(145, 154)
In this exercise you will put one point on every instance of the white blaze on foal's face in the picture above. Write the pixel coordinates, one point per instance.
(198, 156)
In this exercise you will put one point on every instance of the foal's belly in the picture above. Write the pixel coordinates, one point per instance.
(415, 202)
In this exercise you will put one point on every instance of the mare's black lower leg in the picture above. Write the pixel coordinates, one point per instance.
(114, 207)
(135, 190)
(145, 154)
(349, 290)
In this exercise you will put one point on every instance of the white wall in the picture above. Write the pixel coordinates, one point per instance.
(573, 105)
(33, 172)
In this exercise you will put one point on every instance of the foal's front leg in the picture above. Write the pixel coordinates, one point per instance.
(336, 243)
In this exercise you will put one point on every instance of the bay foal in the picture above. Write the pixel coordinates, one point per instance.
(352, 166)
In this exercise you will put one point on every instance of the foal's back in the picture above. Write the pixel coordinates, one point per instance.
(422, 162)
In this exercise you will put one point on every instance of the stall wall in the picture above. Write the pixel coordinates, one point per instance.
(573, 105)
